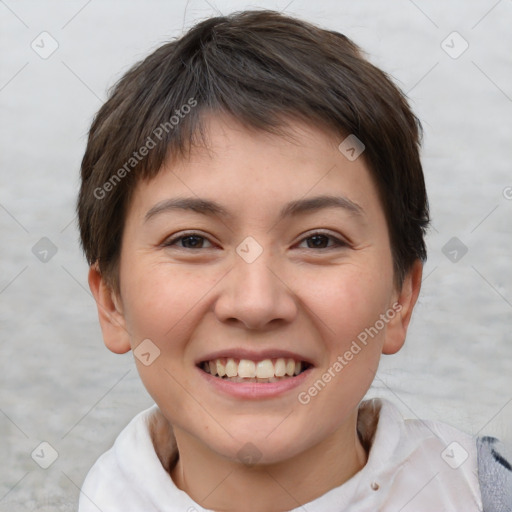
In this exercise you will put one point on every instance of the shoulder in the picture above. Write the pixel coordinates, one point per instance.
(407, 456)
(119, 478)
(477, 466)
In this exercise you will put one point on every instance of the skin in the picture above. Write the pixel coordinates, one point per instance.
(190, 300)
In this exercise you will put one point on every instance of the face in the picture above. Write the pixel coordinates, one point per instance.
(277, 259)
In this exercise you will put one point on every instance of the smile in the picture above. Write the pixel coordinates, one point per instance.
(246, 370)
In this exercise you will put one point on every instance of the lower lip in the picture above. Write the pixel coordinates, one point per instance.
(255, 390)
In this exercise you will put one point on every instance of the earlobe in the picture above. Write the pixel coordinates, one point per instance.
(396, 329)
(110, 313)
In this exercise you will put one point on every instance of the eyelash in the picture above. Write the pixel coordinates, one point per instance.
(336, 245)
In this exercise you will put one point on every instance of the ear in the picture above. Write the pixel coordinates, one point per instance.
(110, 314)
(405, 301)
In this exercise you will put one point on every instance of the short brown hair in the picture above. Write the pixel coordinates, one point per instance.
(259, 67)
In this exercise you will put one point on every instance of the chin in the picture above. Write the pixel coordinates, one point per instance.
(263, 449)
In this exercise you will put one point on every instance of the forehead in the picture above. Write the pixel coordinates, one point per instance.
(256, 172)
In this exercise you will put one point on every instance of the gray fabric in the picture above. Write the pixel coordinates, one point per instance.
(494, 474)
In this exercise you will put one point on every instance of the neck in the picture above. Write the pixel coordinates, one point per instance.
(221, 484)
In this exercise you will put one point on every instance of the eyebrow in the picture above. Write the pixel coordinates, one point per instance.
(212, 208)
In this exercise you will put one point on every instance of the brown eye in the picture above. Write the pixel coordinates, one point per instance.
(187, 241)
(192, 242)
(321, 241)
(318, 242)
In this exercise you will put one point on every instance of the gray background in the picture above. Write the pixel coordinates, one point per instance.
(59, 383)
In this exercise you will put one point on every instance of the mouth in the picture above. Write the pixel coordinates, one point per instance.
(247, 370)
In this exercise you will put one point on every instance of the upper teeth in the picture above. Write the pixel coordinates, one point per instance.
(245, 368)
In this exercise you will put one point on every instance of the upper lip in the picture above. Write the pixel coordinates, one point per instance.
(252, 355)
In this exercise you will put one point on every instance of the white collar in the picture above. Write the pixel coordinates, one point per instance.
(406, 469)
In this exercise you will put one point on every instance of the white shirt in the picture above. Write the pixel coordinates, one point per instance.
(413, 466)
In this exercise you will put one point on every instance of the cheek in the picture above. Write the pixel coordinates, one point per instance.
(159, 303)
(346, 308)
(347, 302)
(158, 300)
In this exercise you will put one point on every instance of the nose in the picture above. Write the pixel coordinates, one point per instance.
(256, 295)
